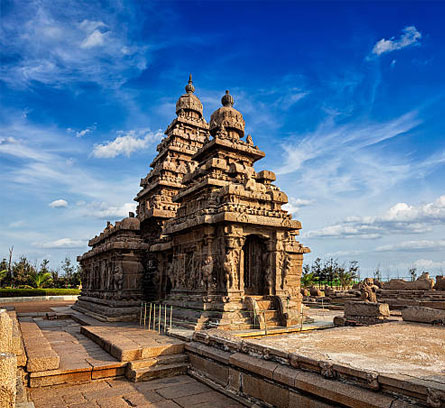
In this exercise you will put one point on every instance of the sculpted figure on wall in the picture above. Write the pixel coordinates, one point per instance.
(118, 278)
(207, 272)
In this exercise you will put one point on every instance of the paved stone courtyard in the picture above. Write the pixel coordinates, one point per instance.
(181, 391)
(415, 350)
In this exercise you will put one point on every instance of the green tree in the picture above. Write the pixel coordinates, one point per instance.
(22, 271)
(40, 279)
(307, 277)
(71, 272)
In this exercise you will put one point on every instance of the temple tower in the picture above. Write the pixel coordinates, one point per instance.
(184, 136)
(231, 248)
(119, 271)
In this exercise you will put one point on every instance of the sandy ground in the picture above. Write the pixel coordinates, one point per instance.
(40, 306)
(397, 348)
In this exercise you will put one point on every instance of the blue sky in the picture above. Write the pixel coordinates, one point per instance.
(346, 99)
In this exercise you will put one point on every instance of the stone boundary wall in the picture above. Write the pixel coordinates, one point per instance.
(36, 298)
(271, 377)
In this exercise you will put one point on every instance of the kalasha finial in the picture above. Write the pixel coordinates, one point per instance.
(227, 99)
(189, 87)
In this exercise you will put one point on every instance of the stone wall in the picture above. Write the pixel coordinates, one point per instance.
(257, 374)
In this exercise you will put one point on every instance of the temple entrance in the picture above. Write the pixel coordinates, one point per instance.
(254, 276)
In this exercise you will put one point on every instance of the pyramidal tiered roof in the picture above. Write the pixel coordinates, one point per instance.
(224, 186)
(184, 136)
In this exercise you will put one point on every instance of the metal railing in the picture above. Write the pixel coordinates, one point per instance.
(156, 318)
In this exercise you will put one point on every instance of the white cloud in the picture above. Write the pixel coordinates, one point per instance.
(61, 243)
(83, 132)
(409, 37)
(126, 144)
(294, 204)
(106, 211)
(413, 245)
(58, 204)
(95, 39)
(401, 217)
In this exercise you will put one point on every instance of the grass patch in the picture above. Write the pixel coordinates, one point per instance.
(37, 292)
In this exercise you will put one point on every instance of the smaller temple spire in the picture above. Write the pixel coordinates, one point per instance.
(189, 87)
(227, 99)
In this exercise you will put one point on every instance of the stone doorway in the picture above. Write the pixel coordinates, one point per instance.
(254, 275)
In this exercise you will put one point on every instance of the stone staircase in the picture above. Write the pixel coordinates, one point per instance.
(266, 313)
(149, 355)
(157, 367)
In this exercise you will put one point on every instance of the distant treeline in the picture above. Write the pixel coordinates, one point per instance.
(24, 274)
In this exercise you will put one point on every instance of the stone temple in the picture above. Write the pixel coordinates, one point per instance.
(209, 238)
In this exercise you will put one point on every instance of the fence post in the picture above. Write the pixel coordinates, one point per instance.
(160, 317)
(265, 323)
(140, 314)
(165, 318)
(301, 313)
(171, 313)
(145, 313)
(149, 316)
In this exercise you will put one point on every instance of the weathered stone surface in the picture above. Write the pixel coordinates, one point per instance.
(315, 291)
(8, 368)
(5, 332)
(366, 312)
(440, 283)
(423, 315)
(423, 282)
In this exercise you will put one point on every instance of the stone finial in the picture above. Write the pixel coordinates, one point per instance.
(189, 88)
(227, 99)
(131, 214)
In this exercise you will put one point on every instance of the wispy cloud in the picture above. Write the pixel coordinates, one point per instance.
(410, 36)
(127, 143)
(61, 244)
(56, 45)
(419, 245)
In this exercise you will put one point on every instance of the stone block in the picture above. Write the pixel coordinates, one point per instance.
(423, 314)
(217, 372)
(43, 361)
(265, 391)
(5, 332)
(300, 401)
(366, 309)
(45, 379)
(8, 380)
(255, 365)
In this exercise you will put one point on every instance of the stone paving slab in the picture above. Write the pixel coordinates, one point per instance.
(80, 359)
(177, 392)
(132, 343)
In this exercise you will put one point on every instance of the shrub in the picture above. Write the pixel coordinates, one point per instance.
(38, 292)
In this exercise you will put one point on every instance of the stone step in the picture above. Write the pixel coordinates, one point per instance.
(153, 372)
(158, 361)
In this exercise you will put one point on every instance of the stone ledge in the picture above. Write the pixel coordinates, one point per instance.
(41, 356)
